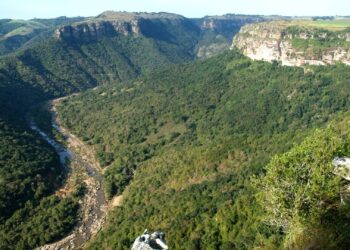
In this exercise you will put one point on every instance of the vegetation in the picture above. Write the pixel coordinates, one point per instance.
(29, 172)
(331, 24)
(35, 225)
(337, 24)
(324, 18)
(317, 40)
(19, 34)
(26, 163)
(186, 144)
(29, 168)
(301, 194)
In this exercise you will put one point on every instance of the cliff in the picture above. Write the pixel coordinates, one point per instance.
(111, 24)
(294, 44)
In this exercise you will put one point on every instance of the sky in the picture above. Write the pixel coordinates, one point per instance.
(27, 9)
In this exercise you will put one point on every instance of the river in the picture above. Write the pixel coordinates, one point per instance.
(94, 205)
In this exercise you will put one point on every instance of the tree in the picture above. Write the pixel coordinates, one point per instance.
(300, 193)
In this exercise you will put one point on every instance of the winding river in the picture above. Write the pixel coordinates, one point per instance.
(94, 205)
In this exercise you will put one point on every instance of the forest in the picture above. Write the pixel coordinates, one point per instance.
(185, 146)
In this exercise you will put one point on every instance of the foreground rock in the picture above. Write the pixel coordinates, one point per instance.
(150, 241)
(342, 167)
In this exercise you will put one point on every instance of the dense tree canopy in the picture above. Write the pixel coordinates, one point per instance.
(303, 196)
(186, 141)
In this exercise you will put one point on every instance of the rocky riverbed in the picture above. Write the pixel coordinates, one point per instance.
(80, 160)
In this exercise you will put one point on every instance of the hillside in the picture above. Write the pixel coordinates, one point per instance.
(182, 144)
(296, 43)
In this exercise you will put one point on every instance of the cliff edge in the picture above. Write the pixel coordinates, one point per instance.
(294, 43)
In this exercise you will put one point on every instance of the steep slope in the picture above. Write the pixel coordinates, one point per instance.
(295, 43)
(22, 174)
(182, 144)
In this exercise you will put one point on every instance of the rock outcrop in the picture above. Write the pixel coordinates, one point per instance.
(148, 241)
(112, 24)
(342, 167)
(293, 45)
(97, 29)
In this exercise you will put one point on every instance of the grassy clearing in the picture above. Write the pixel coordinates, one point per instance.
(20, 27)
(334, 25)
(338, 24)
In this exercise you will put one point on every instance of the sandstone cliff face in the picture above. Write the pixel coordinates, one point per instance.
(97, 29)
(116, 23)
(293, 46)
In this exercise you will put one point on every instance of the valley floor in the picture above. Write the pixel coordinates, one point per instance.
(82, 165)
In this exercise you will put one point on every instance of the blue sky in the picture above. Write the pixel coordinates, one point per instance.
(26, 9)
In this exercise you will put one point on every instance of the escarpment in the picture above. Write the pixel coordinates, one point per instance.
(293, 44)
(112, 24)
(97, 29)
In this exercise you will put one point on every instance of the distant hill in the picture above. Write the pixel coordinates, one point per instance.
(16, 34)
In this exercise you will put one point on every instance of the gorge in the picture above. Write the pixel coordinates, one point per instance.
(218, 148)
